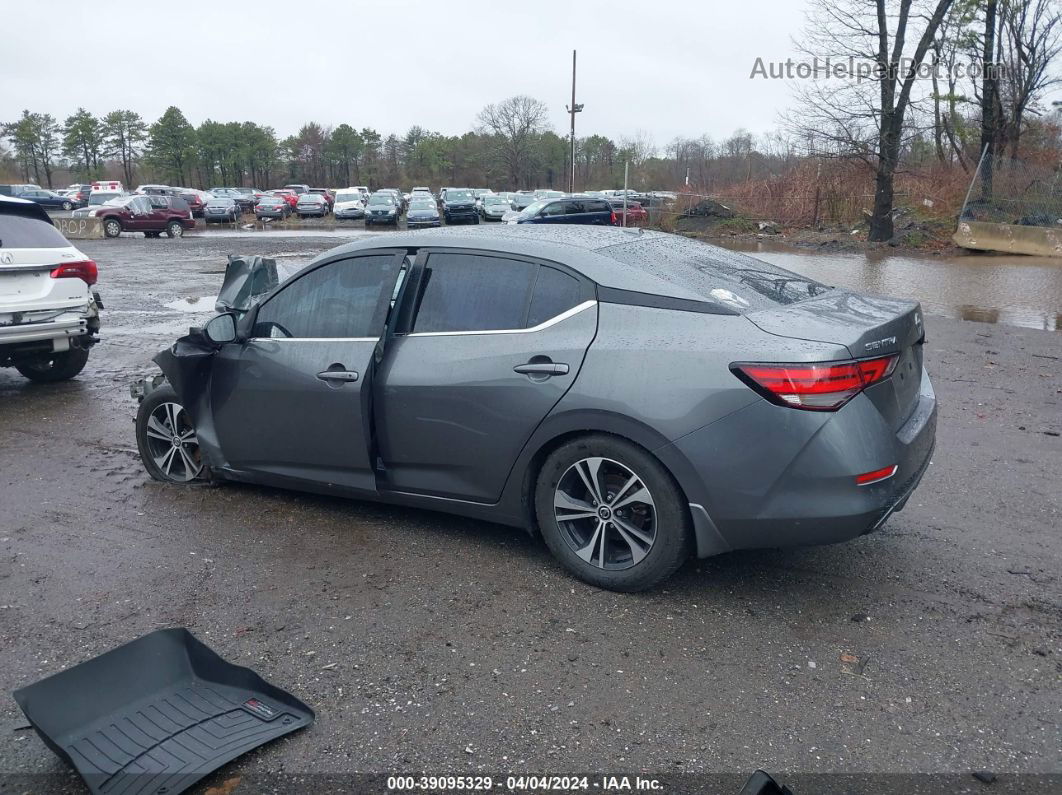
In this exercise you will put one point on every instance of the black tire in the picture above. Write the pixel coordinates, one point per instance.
(112, 227)
(151, 446)
(68, 206)
(667, 521)
(174, 229)
(49, 368)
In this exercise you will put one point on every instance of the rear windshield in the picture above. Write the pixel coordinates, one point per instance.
(348, 197)
(733, 280)
(18, 231)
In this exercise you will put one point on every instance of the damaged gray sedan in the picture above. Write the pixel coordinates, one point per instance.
(634, 397)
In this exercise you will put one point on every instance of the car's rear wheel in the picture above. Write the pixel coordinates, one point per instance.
(112, 227)
(57, 366)
(68, 206)
(612, 514)
(166, 439)
(174, 229)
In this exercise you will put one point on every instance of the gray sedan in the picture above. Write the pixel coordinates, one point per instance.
(634, 398)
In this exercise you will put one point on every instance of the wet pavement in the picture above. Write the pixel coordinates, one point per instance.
(989, 288)
(433, 643)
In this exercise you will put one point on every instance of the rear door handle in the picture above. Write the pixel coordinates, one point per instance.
(345, 376)
(542, 368)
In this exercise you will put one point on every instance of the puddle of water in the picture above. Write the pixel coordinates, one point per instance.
(1017, 291)
(200, 304)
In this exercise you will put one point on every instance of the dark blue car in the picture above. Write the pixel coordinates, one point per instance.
(568, 210)
(49, 199)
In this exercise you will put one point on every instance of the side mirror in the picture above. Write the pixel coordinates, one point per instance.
(221, 329)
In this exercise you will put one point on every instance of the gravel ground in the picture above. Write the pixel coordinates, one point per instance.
(432, 643)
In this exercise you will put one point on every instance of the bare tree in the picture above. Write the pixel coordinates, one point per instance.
(865, 116)
(1030, 39)
(515, 123)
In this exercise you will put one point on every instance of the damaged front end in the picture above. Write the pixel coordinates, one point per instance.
(186, 365)
(247, 281)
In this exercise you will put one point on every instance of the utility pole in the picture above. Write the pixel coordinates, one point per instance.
(571, 112)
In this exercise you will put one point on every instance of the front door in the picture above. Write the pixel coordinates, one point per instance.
(294, 400)
(494, 342)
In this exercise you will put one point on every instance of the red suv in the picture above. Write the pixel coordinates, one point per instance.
(151, 215)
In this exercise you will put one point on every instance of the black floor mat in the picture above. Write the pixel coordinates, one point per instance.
(154, 716)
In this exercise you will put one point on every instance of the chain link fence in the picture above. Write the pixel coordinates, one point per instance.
(1017, 192)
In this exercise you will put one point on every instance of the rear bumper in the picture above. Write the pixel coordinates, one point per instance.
(770, 476)
(66, 327)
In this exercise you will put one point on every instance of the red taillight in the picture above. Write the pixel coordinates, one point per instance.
(876, 476)
(83, 269)
(815, 387)
(613, 222)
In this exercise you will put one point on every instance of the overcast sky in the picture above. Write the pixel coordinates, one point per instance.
(665, 68)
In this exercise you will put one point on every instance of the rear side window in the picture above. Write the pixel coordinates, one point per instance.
(555, 292)
(470, 292)
(598, 207)
(18, 231)
(334, 301)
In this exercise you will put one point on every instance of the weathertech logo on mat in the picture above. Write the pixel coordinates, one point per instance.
(260, 708)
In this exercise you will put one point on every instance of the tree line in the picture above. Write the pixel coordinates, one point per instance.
(511, 146)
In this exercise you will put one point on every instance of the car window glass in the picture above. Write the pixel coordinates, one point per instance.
(555, 208)
(158, 202)
(571, 207)
(555, 292)
(469, 292)
(334, 301)
(18, 231)
(597, 207)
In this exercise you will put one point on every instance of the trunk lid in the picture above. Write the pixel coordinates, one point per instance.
(868, 327)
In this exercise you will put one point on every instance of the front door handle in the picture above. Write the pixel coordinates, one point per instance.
(542, 368)
(343, 376)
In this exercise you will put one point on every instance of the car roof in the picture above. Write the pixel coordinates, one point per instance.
(9, 205)
(584, 248)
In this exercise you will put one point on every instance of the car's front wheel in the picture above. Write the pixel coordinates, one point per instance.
(112, 227)
(611, 513)
(68, 206)
(166, 438)
(51, 367)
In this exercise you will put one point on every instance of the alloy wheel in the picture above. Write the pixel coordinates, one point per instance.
(172, 443)
(606, 513)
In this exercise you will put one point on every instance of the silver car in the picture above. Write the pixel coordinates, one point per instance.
(311, 205)
(635, 398)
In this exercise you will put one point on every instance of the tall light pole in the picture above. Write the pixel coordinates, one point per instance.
(571, 112)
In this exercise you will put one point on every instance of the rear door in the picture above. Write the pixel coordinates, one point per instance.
(485, 347)
(294, 400)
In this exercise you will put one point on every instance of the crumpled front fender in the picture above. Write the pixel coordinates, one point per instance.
(187, 366)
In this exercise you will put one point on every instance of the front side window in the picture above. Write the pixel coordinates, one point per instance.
(336, 301)
(472, 292)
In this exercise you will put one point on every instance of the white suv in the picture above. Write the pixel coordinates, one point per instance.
(49, 315)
